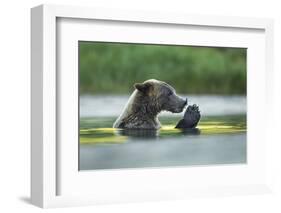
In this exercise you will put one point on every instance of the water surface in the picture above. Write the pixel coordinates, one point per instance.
(210, 105)
(216, 140)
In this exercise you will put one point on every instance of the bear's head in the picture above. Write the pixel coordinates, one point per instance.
(157, 96)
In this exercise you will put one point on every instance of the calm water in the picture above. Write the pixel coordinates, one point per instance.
(210, 105)
(217, 140)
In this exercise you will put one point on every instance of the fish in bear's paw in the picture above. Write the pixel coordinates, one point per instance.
(190, 119)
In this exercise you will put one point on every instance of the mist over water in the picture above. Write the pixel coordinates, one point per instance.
(210, 105)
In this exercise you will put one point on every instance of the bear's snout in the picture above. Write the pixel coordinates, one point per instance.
(184, 103)
(180, 105)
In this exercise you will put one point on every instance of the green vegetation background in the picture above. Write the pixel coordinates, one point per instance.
(113, 68)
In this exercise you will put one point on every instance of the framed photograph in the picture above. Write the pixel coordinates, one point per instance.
(130, 106)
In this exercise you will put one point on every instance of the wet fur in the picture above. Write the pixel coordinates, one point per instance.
(146, 102)
(142, 113)
(190, 119)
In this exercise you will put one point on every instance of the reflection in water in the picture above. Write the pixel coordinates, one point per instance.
(217, 140)
(150, 133)
(194, 131)
(138, 133)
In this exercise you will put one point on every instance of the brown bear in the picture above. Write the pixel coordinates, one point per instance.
(146, 102)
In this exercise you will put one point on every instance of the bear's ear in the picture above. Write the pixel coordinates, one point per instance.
(142, 87)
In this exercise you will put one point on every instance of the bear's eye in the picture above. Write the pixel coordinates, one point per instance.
(170, 93)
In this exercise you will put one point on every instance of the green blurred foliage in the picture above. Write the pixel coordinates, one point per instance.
(114, 68)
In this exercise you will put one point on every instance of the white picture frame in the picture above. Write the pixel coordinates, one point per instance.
(47, 165)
